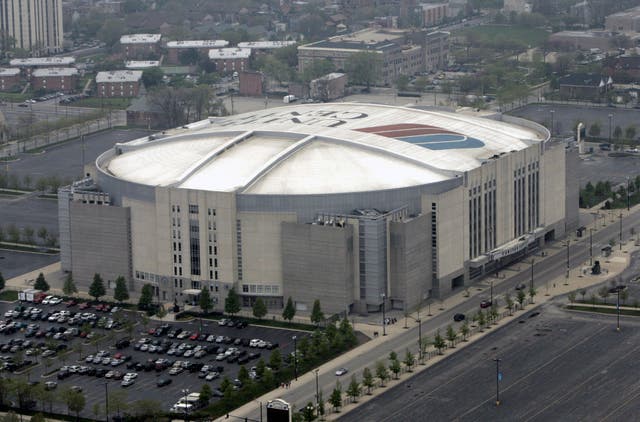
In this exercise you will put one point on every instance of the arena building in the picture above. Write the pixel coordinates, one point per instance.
(352, 204)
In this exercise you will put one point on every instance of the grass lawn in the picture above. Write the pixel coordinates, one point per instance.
(9, 295)
(113, 103)
(495, 35)
(14, 97)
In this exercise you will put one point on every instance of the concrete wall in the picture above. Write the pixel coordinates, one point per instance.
(317, 263)
(410, 261)
(101, 243)
(553, 185)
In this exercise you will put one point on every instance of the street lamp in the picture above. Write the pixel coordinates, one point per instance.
(610, 119)
(552, 114)
(620, 236)
(106, 400)
(317, 392)
(384, 319)
(531, 281)
(568, 268)
(498, 377)
(618, 308)
(295, 357)
(491, 292)
(186, 408)
(591, 246)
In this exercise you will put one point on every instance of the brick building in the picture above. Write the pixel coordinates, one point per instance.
(140, 45)
(118, 83)
(251, 83)
(28, 65)
(63, 79)
(9, 77)
(228, 60)
(175, 48)
(433, 13)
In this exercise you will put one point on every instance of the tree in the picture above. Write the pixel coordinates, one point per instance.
(532, 293)
(394, 366)
(603, 292)
(464, 330)
(28, 235)
(275, 360)
(402, 82)
(509, 302)
(572, 297)
(617, 133)
(336, 397)
(152, 77)
(205, 302)
(13, 233)
(381, 372)
(307, 413)
(363, 68)
(624, 295)
(74, 400)
(438, 342)
(121, 293)
(146, 297)
(420, 83)
(354, 390)
(520, 298)
(451, 336)
(409, 359)
(259, 308)
(205, 394)
(482, 320)
(232, 302)
(41, 283)
(97, 287)
(594, 130)
(69, 287)
(582, 292)
(289, 310)
(630, 132)
(317, 316)
(2, 282)
(110, 32)
(367, 379)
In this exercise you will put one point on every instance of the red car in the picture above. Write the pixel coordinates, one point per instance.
(71, 303)
(194, 336)
(84, 305)
(151, 331)
(485, 304)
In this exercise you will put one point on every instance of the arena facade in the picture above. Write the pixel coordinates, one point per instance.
(353, 204)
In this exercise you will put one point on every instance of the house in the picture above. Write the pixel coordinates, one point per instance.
(140, 45)
(118, 83)
(9, 78)
(228, 60)
(584, 86)
(63, 79)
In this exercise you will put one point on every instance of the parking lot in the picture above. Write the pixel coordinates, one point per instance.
(150, 355)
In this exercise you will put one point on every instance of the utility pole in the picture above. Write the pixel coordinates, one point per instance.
(492, 292)
(591, 246)
(531, 281)
(419, 336)
(317, 393)
(628, 196)
(620, 216)
(618, 308)
(295, 357)
(498, 378)
(384, 319)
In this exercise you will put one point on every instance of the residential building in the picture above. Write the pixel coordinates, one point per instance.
(436, 50)
(581, 40)
(28, 65)
(433, 13)
(625, 21)
(32, 25)
(229, 60)
(9, 78)
(584, 86)
(265, 45)
(119, 83)
(141, 64)
(63, 79)
(517, 6)
(175, 48)
(140, 45)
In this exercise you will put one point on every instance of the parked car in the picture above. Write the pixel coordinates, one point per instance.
(341, 372)
(458, 317)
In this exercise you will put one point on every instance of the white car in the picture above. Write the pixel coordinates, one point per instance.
(55, 300)
(130, 375)
(127, 382)
(109, 374)
(211, 376)
(254, 342)
(46, 300)
(341, 372)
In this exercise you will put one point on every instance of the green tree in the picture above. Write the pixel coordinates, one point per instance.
(97, 287)
(520, 298)
(603, 292)
(110, 32)
(438, 342)
(152, 77)
(336, 397)
(289, 310)
(317, 316)
(451, 336)
(394, 366)
(13, 233)
(28, 235)
(205, 395)
(617, 133)
(146, 297)
(630, 132)
(232, 302)
(308, 413)
(69, 287)
(74, 400)
(532, 293)
(275, 360)
(41, 283)
(464, 330)
(572, 297)
(402, 82)
(121, 293)
(354, 389)
(367, 379)
(509, 302)
(482, 320)
(2, 283)
(259, 308)
(381, 372)
(205, 302)
(582, 292)
(420, 83)
(363, 68)
(409, 359)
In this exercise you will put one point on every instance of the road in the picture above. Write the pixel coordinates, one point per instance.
(554, 265)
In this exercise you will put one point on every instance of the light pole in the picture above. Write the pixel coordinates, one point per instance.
(591, 246)
(498, 376)
(106, 400)
(620, 236)
(384, 319)
(610, 119)
(531, 281)
(419, 338)
(628, 196)
(317, 393)
(295, 357)
(568, 268)
(552, 114)
(618, 308)
(491, 301)
(186, 408)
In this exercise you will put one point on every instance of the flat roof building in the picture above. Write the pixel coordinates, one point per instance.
(63, 79)
(275, 203)
(141, 64)
(175, 48)
(228, 60)
(625, 21)
(118, 83)
(32, 25)
(141, 46)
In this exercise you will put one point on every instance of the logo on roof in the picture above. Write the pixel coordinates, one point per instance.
(426, 136)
